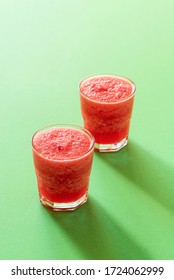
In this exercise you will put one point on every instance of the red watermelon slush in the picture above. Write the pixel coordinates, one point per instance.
(106, 106)
(63, 157)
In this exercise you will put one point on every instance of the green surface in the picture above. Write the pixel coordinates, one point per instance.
(47, 47)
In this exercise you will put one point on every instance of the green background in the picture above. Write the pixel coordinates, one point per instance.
(47, 47)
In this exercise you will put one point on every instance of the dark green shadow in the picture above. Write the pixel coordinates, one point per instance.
(96, 234)
(145, 170)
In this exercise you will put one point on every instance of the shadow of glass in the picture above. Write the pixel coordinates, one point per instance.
(145, 170)
(96, 235)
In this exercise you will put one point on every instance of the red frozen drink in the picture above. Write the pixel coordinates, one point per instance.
(63, 157)
(106, 106)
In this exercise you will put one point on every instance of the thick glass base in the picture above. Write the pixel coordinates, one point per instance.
(68, 206)
(111, 147)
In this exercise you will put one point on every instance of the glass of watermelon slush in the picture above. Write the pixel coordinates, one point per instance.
(63, 156)
(106, 107)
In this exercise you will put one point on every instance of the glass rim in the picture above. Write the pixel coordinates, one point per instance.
(65, 125)
(109, 75)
